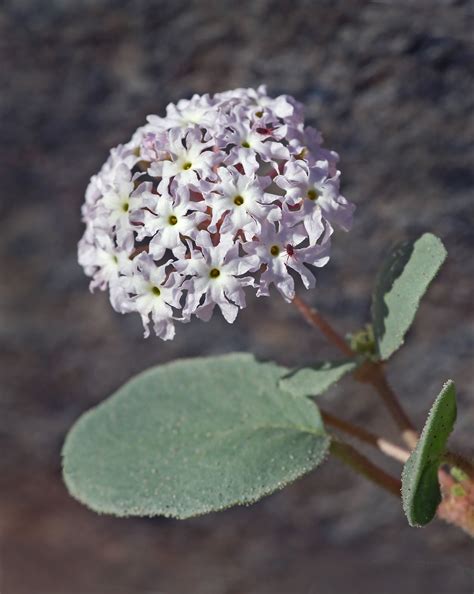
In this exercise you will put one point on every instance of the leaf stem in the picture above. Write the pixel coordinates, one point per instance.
(384, 445)
(362, 465)
(314, 318)
(373, 373)
(454, 509)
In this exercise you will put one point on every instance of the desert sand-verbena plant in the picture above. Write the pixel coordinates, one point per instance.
(225, 193)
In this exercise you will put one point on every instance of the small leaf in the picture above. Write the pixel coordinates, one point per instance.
(421, 494)
(401, 283)
(193, 436)
(314, 380)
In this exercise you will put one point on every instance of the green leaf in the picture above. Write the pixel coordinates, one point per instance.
(401, 283)
(314, 380)
(421, 494)
(193, 436)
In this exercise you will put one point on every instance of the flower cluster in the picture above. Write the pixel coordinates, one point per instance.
(224, 192)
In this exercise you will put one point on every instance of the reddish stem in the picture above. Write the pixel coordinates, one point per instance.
(315, 319)
(373, 374)
(384, 445)
(364, 466)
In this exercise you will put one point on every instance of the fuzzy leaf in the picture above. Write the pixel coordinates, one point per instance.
(421, 494)
(401, 283)
(191, 437)
(314, 380)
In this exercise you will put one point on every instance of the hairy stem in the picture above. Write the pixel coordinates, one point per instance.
(389, 448)
(315, 319)
(384, 445)
(373, 374)
(362, 465)
(370, 372)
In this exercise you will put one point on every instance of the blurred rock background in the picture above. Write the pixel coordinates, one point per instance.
(390, 85)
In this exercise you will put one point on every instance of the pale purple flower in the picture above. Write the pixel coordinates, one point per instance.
(249, 140)
(284, 248)
(241, 202)
(188, 112)
(153, 292)
(103, 260)
(225, 192)
(216, 277)
(314, 190)
(168, 218)
(189, 159)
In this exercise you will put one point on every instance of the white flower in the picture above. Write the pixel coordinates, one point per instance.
(283, 248)
(168, 218)
(215, 273)
(314, 190)
(103, 260)
(249, 140)
(188, 157)
(271, 250)
(187, 112)
(153, 294)
(117, 202)
(242, 200)
(225, 192)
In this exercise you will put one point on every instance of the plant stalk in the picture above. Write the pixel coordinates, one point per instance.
(457, 506)
(370, 372)
(362, 465)
(314, 318)
(373, 374)
(384, 445)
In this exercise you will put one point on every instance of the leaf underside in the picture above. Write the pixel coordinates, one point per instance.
(401, 283)
(421, 493)
(190, 437)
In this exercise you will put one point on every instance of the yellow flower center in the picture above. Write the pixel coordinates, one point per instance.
(172, 220)
(238, 200)
(302, 154)
(275, 250)
(156, 291)
(214, 273)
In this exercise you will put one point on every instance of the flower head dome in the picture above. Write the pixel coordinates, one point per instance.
(224, 192)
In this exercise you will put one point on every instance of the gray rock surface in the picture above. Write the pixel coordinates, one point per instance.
(390, 85)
